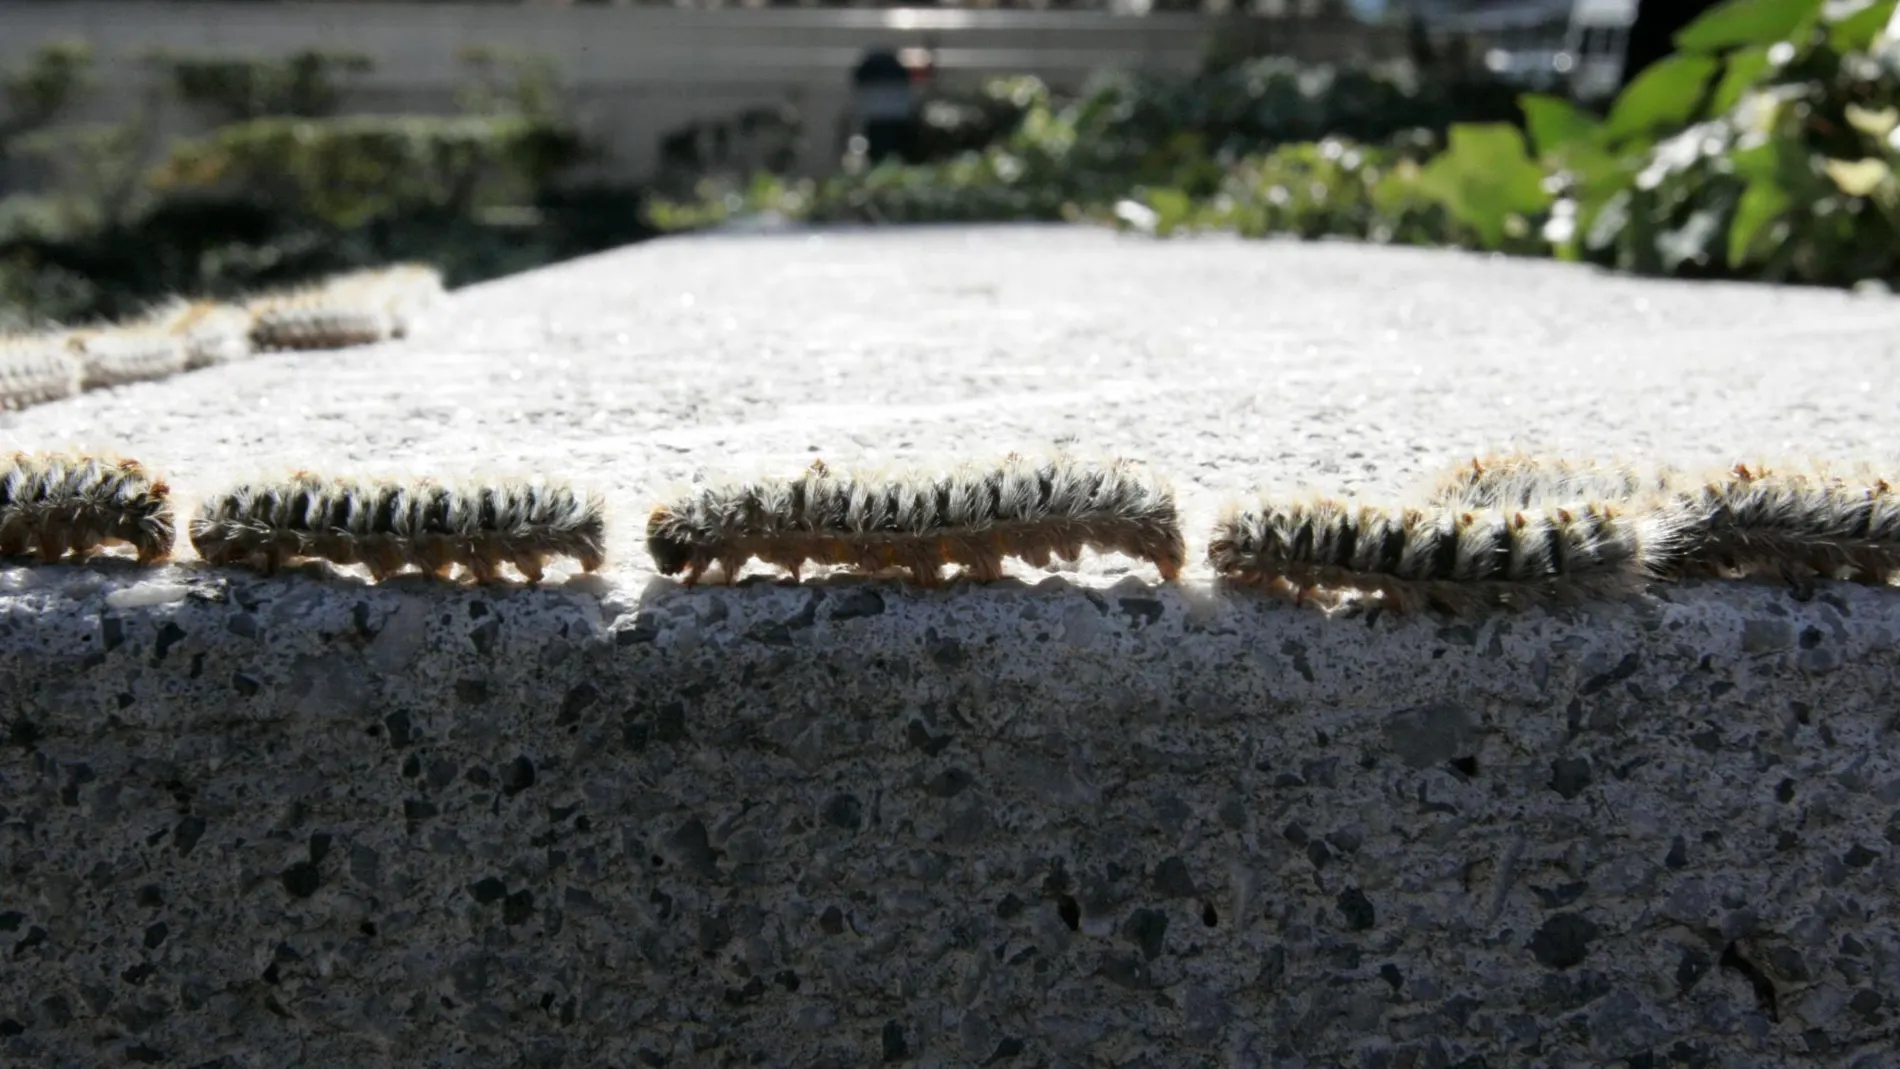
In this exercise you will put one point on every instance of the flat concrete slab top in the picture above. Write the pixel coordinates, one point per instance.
(1226, 364)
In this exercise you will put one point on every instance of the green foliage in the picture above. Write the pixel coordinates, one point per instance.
(1488, 181)
(1768, 147)
(1046, 159)
(93, 166)
(351, 171)
(306, 83)
(288, 193)
(1311, 190)
(1784, 173)
(1748, 22)
(58, 74)
(503, 81)
(956, 122)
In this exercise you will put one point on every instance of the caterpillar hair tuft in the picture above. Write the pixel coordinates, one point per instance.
(972, 516)
(54, 504)
(387, 525)
(1518, 480)
(1451, 559)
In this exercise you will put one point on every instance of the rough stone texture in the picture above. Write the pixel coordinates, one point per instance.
(1066, 820)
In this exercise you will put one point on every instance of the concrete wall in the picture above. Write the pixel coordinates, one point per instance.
(634, 73)
(277, 823)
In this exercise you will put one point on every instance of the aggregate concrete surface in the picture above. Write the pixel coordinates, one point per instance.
(1069, 819)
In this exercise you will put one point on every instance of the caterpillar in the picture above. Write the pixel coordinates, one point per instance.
(1445, 558)
(1517, 480)
(34, 369)
(972, 516)
(1745, 521)
(315, 318)
(55, 503)
(212, 332)
(408, 292)
(387, 525)
(134, 352)
(1753, 520)
(357, 308)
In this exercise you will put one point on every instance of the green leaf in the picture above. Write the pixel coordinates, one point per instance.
(1744, 70)
(1484, 177)
(1761, 204)
(1855, 32)
(1172, 207)
(1664, 96)
(1747, 22)
(1555, 124)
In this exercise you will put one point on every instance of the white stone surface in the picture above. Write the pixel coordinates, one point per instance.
(1227, 364)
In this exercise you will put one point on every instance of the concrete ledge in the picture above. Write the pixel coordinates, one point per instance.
(295, 821)
(1068, 820)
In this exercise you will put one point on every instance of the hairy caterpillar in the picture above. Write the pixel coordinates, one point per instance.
(133, 352)
(212, 332)
(54, 503)
(35, 368)
(387, 525)
(972, 516)
(408, 292)
(357, 308)
(1517, 480)
(1800, 524)
(1748, 520)
(1445, 558)
(316, 318)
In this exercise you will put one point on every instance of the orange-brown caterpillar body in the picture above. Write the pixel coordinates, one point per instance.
(972, 516)
(55, 504)
(387, 525)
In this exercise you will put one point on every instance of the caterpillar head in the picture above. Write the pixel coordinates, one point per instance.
(1248, 540)
(215, 541)
(671, 553)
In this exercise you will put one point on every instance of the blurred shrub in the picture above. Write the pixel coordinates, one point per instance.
(1767, 147)
(287, 192)
(309, 82)
(952, 122)
(504, 81)
(1032, 157)
(348, 172)
(1330, 188)
(58, 74)
(1778, 166)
